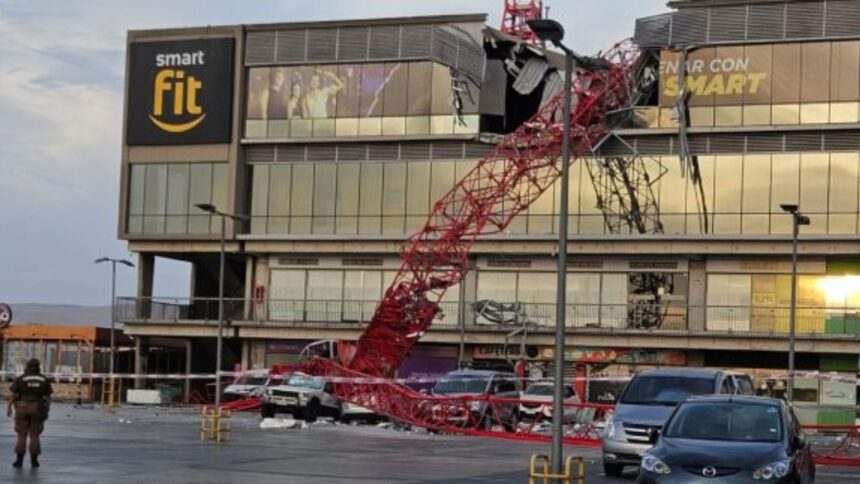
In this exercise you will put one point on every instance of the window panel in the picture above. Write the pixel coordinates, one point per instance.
(759, 74)
(177, 189)
(370, 198)
(442, 179)
(279, 189)
(697, 83)
(347, 188)
(814, 113)
(372, 79)
(260, 199)
(668, 78)
(815, 72)
(537, 287)
(786, 185)
(727, 197)
(420, 82)
(394, 126)
(301, 201)
(814, 174)
(258, 92)
(843, 182)
(757, 115)
(418, 189)
(325, 187)
(287, 294)
(497, 286)
(844, 112)
(393, 198)
(845, 71)
(346, 127)
(672, 196)
(200, 192)
(323, 128)
(613, 300)
(155, 199)
(349, 97)
(440, 101)
(733, 90)
(219, 193)
(786, 75)
(136, 189)
(695, 224)
(728, 116)
(785, 114)
(396, 89)
(701, 116)
(756, 194)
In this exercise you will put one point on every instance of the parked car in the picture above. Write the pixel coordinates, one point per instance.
(726, 438)
(250, 384)
(307, 397)
(648, 400)
(483, 383)
(543, 392)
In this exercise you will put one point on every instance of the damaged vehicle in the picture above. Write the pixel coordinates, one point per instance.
(308, 397)
(250, 384)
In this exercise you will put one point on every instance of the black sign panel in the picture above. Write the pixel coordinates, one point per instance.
(180, 92)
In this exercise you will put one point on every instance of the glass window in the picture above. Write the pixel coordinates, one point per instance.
(417, 194)
(370, 198)
(497, 286)
(440, 102)
(699, 80)
(258, 92)
(695, 219)
(786, 74)
(843, 192)
(393, 198)
(260, 199)
(200, 192)
(541, 213)
(325, 187)
(786, 184)
(177, 197)
(301, 207)
(756, 194)
(844, 71)
(156, 190)
(287, 294)
(668, 77)
(420, 82)
(701, 116)
(815, 72)
(442, 179)
(729, 298)
(324, 295)
(757, 115)
(396, 89)
(348, 98)
(537, 287)
(138, 178)
(347, 197)
(734, 82)
(280, 176)
(219, 192)
(814, 168)
(759, 74)
(814, 113)
(844, 112)
(361, 291)
(672, 200)
(372, 80)
(727, 206)
(785, 114)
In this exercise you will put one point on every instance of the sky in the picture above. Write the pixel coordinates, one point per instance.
(61, 82)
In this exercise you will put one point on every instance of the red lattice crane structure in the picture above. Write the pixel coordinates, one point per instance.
(500, 186)
(517, 13)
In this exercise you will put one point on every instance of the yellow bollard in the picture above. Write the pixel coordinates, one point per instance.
(547, 477)
(215, 424)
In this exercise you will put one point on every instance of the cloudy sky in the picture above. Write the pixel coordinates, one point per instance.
(61, 79)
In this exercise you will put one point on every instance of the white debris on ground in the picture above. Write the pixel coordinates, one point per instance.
(282, 423)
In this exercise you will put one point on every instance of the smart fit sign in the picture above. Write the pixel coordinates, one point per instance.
(180, 92)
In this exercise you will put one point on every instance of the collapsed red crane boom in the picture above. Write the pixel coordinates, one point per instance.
(500, 186)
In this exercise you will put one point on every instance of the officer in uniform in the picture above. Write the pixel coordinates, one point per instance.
(31, 399)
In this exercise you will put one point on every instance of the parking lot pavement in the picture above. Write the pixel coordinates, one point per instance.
(84, 445)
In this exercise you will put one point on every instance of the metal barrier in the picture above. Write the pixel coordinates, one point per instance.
(836, 445)
(215, 423)
(547, 477)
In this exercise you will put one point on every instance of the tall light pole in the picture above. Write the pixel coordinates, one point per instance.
(549, 30)
(797, 219)
(113, 263)
(209, 208)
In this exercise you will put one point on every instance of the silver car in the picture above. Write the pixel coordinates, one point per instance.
(648, 400)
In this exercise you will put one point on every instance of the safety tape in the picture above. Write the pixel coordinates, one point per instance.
(65, 376)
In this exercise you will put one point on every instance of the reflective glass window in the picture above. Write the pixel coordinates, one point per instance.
(727, 206)
(372, 80)
(136, 191)
(759, 74)
(843, 192)
(814, 176)
(259, 199)
(396, 89)
(785, 176)
(325, 186)
(786, 73)
(258, 92)
(728, 75)
(845, 71)
(394, 198)
(420, 82)
(756, 194)
(348, 98)
(440, 100)
(815, 72)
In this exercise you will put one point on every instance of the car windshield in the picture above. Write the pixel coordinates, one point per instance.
(461, 384)
(539, 390)
(303, 381)
(731, 421)
(251, 380)
(665, 390)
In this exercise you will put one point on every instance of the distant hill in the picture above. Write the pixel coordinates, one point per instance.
(60, 315)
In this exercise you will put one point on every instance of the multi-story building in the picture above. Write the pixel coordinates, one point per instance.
(336, 138)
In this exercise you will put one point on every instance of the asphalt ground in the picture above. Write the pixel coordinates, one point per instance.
(84, 445)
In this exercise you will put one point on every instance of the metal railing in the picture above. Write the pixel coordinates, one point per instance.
(760, 320)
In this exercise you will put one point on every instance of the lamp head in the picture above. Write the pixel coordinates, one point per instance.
(788, 207)
(101, 259)
(206, 207)
(803, 220)
(125, 262)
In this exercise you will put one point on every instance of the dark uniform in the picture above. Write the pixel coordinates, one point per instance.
(31, 398)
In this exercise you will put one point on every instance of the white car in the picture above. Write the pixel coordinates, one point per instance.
(307, 397)
(543, 392)
(250, 384)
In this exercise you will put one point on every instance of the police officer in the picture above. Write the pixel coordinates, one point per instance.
(31, 398)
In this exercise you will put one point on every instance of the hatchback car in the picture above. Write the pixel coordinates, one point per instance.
(648, 400)
(729, 438)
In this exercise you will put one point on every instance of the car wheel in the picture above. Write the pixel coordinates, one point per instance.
(613, 470)
(311, 411)
(267, 411)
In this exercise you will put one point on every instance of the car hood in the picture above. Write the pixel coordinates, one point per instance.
(291, 388)
(743, 455)
(241, 389)
(643, 414)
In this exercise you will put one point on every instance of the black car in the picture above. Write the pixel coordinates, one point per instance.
(729, 438)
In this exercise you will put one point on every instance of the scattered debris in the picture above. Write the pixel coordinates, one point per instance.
(281, 423)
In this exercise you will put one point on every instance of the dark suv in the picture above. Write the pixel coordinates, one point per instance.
(648, 400)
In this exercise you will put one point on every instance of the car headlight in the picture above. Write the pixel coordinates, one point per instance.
(612, 430)
(476, 406)
(303, 397)
(774, 470)
(655, 465)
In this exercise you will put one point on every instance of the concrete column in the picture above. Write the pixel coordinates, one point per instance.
(139, 362)
(187, 396)
(145, 278)
(696, 296)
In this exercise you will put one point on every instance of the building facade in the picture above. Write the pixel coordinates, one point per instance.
(336, 138)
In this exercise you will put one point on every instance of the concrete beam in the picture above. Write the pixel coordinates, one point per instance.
(178, 329)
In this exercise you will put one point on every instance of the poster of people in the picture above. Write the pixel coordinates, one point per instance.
(293, 93)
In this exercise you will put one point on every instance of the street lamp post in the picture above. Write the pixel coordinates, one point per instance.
(548, 30)
(209, 208)
(797, 219)
(113, 263)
